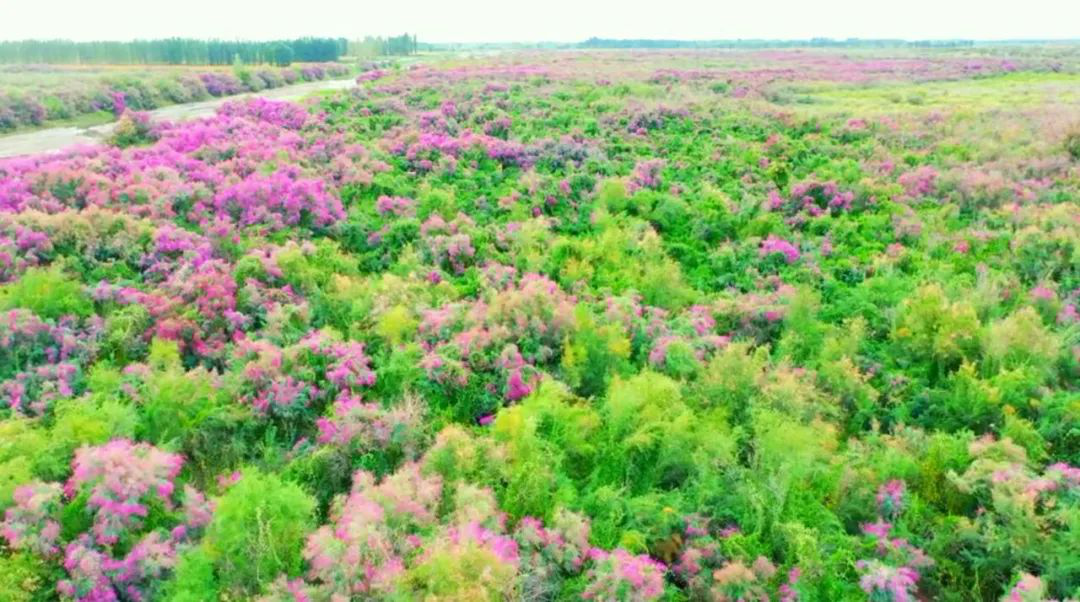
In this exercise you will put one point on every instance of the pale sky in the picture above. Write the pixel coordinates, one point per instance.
(543, 20)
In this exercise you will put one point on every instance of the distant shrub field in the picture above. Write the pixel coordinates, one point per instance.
(31, 96)
(784, 325)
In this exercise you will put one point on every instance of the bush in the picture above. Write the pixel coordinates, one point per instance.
(132, 129)
(23, 578)
(936, 330)
(48, 292)
(258, 531)
(458, 573)
(1072, 144)
(193, 579)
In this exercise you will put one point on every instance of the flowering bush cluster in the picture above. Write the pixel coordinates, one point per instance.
(141, 92)
(512, 329)
(121, 487)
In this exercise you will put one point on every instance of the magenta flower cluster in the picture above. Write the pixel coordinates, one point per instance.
(119, 482)
(778, 246)
(40, 361)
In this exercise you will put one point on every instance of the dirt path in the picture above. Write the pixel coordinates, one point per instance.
(59, 138)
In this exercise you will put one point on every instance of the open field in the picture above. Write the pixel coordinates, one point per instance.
(609, 325)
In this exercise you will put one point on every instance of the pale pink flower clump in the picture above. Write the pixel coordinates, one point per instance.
(122, 478)
(773, 245)
(890, 498)
(372, 530)
(883, 582)
(619, 575)
(30, 523)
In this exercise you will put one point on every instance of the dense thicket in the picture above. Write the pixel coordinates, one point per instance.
(555, 327)
(173, 51)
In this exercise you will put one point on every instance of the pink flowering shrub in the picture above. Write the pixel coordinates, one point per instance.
(778, 246)
(809, 200)
(919, 183)
(468, 562)
(31, 524)
(288, 382)
(118, 485)
(449, 244)
(646, 175)
(886, 583)
(1028, 588)
(547, 555)
(395, 206)
(365, 426)
(120, 480)
(619, 575)
(709, 575)
(374, 530)
(890, 498)
(21, 247)
(894, 576)
(502, 340)
(93, 575)
(40, 361)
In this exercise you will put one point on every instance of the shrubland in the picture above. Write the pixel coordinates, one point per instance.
(552, 327)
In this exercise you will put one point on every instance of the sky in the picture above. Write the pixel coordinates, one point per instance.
(544, 20)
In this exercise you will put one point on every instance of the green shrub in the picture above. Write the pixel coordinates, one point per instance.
(193, 579)
(593, 353)
(1021, 339)
(731, 378)
(47, 292)
(652, 439)
(1072, 144)
(460, 573)
(24, 578)
(936, 330)
(258, 531)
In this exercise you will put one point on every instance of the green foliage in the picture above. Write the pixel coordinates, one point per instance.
(1072, 144)
(938, 331)
(23, 578)
(459, 573)
(653, 439)
(804, 334)
(122, 342)
(48, 292)
(395, 324)
(593, 353)
(282, 55)
(1021, 339)
(30, 451)
(131, 130)
(175, 404)
(731, 379)
(193, 579)
(257, 532)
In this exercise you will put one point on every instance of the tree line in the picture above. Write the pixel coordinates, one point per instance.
(371, 46)
(174, 51)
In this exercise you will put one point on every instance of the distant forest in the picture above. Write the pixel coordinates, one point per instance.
(188, 51)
